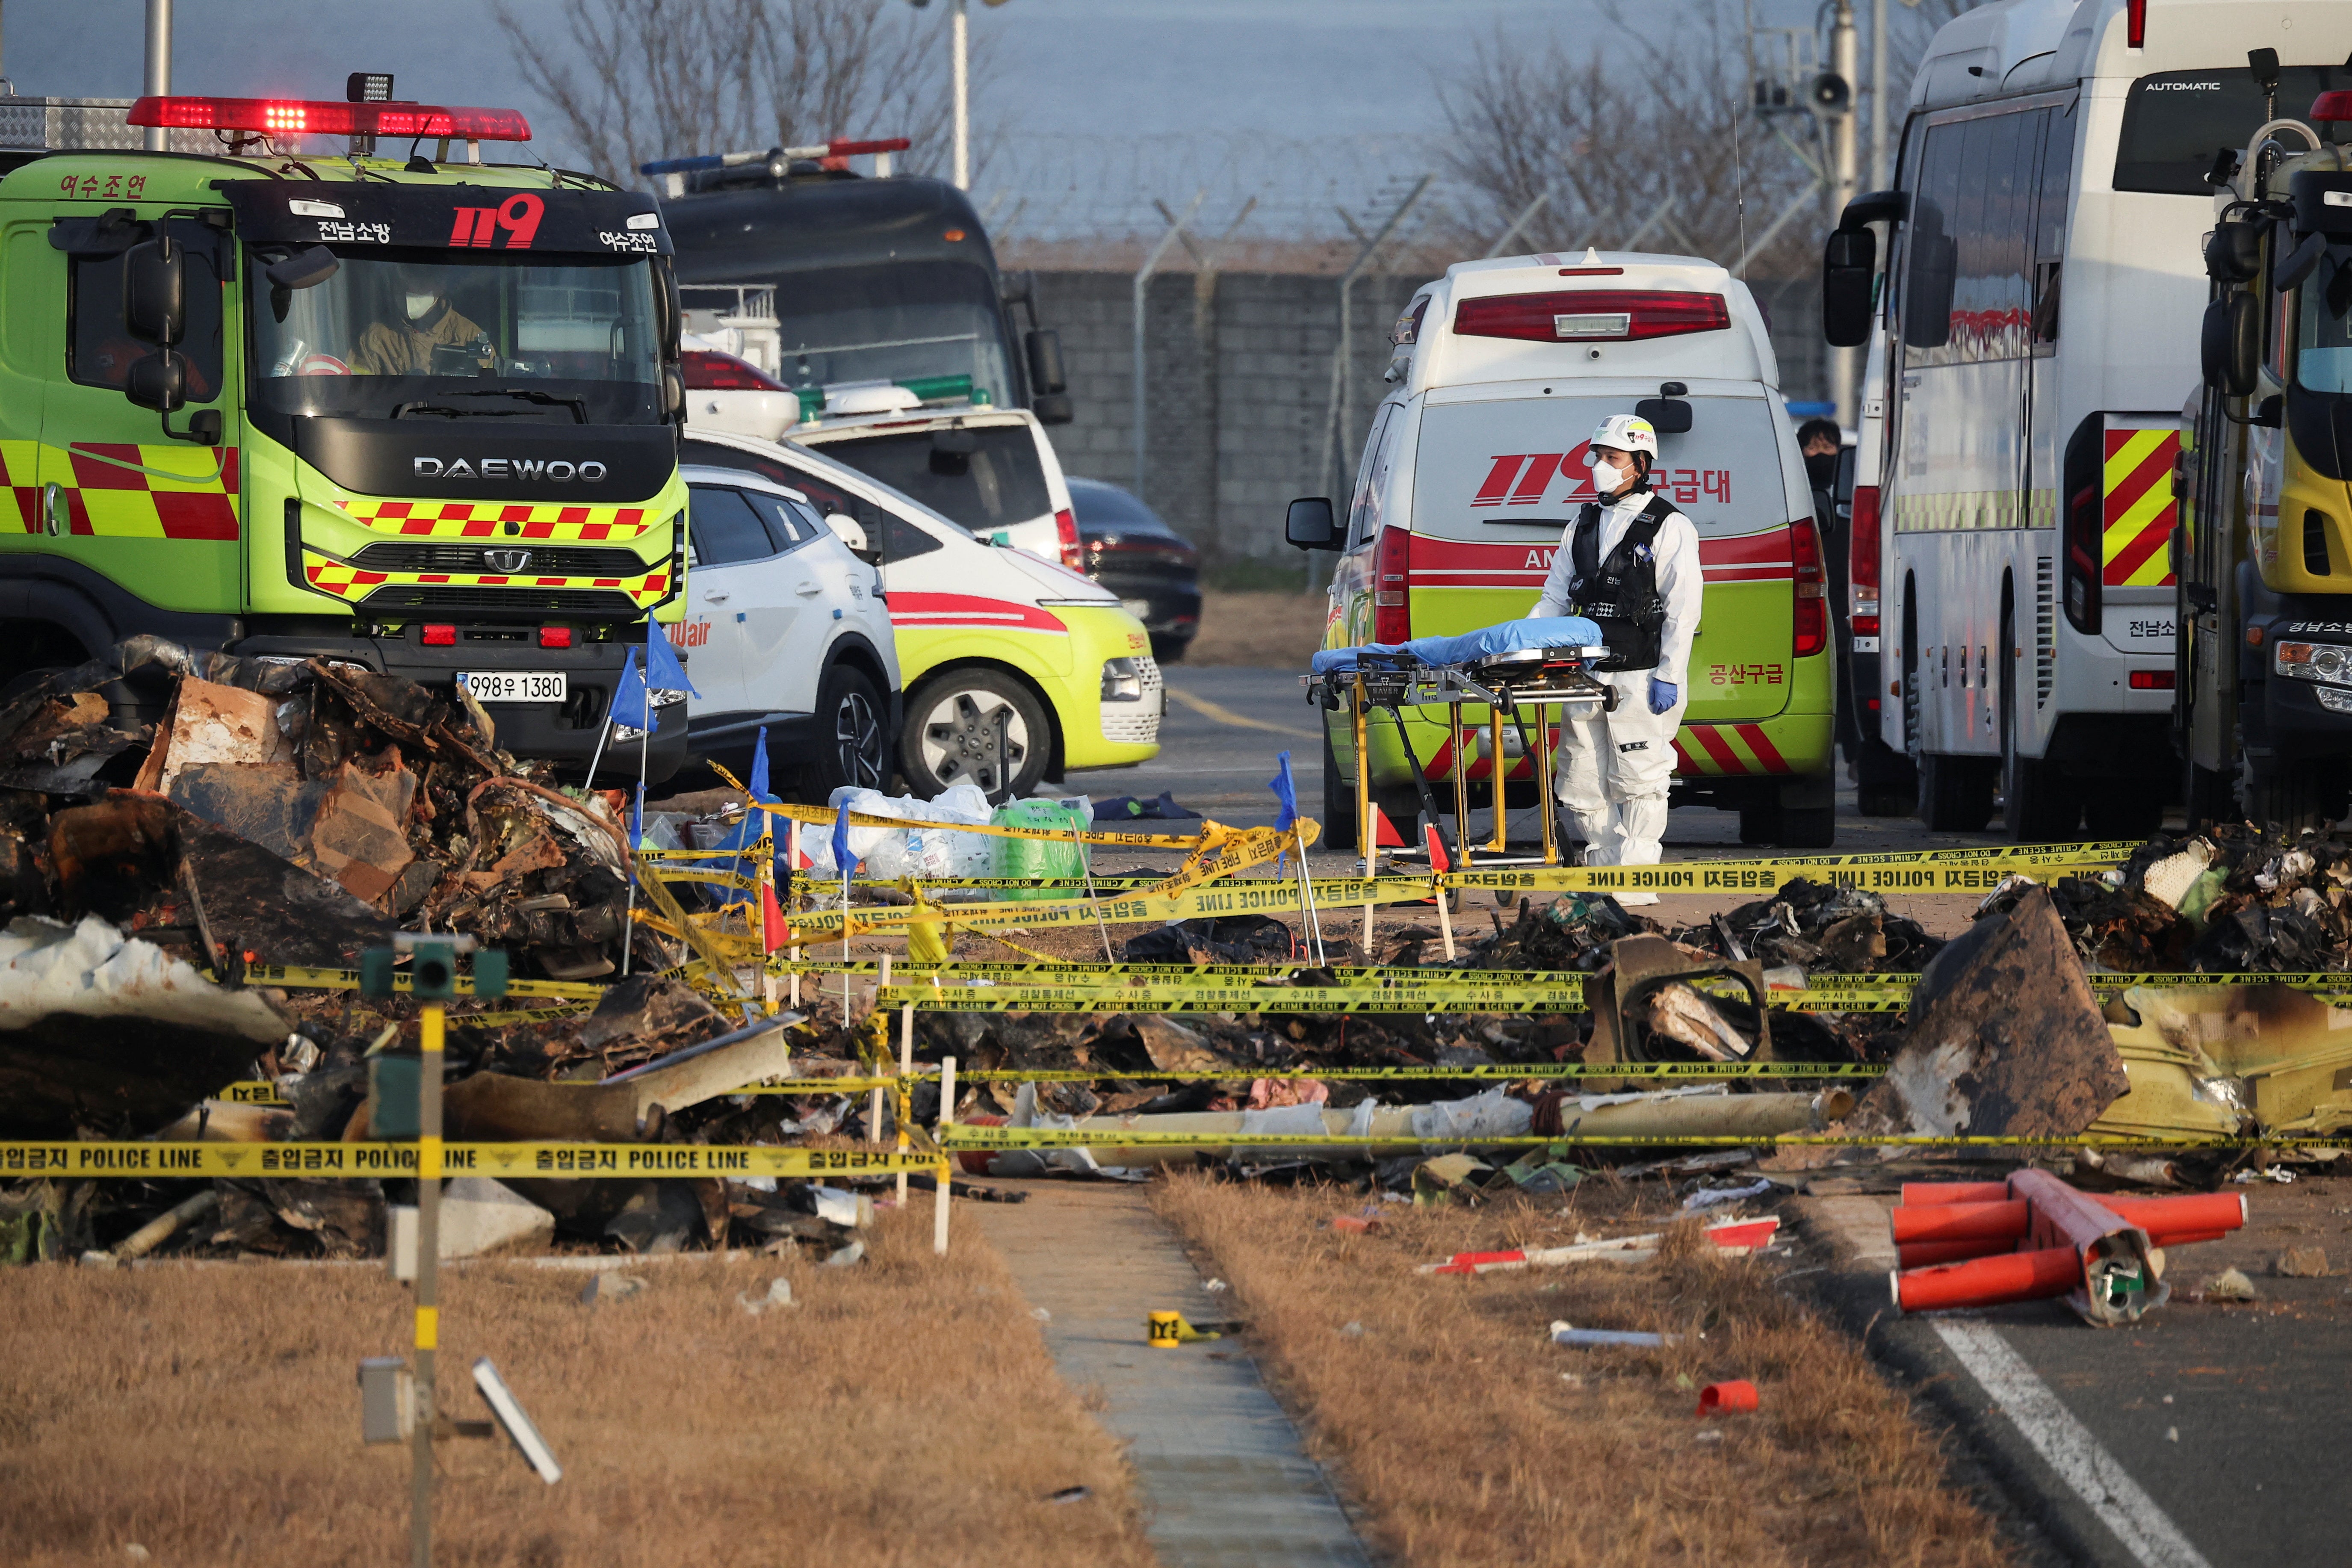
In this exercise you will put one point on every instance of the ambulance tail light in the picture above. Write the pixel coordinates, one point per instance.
(1065, 534)
(302, 117)
(1392, 586)
(2135, 24)
(708, 370)
(1862, 562)
(1811, 586)
(1592, 315)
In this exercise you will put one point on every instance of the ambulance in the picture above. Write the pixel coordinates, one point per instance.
(1017, 668)
(1475, 465)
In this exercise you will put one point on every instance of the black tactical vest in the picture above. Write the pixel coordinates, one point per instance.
(1620, 594)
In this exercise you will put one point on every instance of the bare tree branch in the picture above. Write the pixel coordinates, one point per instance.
(1646, 120)
(631, 81)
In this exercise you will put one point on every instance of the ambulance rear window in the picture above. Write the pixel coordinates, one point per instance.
(1491, 469)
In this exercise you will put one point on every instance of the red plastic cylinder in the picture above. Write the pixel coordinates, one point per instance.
(2004, 1221)
(1929, 1254)
(2185, 1238)
(2189, 1211)
(1989, 1281)
(1921, 1194)
(1739, 1394)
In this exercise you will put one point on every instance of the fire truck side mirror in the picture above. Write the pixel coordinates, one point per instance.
(2231, 343)
(157, 381)
(155, 293)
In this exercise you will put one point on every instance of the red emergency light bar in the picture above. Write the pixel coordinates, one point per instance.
(297, 117)
(1582, 315)
(2330, 107)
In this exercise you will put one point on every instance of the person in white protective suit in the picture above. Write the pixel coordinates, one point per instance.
(1630, 564)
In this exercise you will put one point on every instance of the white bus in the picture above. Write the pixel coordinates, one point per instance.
(2035, 330)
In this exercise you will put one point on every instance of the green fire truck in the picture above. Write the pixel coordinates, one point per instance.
(415, 414)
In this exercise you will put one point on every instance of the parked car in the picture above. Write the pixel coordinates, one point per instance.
(785, 629)
(1016, 667)
(1153, 569)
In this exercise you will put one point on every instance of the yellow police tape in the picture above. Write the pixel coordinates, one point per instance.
(1507, 1072)
(537, 1160)
(1230, 999)
(960, 1137)
(299, 976)
(1927, 871)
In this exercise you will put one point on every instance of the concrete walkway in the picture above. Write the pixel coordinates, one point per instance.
(1225, 1482)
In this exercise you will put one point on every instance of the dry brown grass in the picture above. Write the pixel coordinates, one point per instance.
(1450, 1423)
(1266, 631)
(905, 1413)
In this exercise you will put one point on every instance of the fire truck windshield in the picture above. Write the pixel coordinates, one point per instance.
(2323, 353)
(418, 334)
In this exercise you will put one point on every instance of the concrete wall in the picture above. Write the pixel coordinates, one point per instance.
(1238, 379)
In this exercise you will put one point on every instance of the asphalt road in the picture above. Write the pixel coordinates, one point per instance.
(2203, 1436)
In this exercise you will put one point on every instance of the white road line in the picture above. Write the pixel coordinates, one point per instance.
(2080, 1459)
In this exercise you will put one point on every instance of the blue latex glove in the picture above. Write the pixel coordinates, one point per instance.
(1663, 694)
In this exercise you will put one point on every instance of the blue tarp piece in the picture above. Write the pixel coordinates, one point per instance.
(1551, 631)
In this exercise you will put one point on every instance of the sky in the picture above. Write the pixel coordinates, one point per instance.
(1097, 105)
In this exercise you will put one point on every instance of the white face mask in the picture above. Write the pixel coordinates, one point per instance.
(1607, 476)
(419, 305)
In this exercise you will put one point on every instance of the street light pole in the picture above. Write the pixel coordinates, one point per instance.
(958, 30)
(1878, 95)
(1844, 64)
(159, 67)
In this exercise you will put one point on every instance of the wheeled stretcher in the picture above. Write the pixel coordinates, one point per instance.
(1515, 669)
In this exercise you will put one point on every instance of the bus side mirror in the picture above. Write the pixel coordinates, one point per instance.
(1049, 383)
(1045, 372)
(157, 381)
(2231, 343)
(155, 293)
(1849, 265)
(1309, 524)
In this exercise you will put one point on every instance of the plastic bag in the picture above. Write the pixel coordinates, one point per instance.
(1042, 857)
(889, 853)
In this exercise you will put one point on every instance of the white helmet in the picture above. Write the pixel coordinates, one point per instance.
(1627, 433)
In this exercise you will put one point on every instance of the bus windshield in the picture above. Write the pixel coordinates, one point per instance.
(415, 334)
(903, 322)
(2175, 122)
(2323, 355)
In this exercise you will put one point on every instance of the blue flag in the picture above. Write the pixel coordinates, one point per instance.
(632, 704)
(842, 861)
(1285, 789)
(759, 768)
(665, 671)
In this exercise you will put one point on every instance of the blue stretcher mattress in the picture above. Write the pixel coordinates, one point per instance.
(1469, 647)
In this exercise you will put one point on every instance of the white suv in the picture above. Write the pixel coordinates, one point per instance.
(786, 629)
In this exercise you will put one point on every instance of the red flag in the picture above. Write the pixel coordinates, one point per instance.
(773, 932)
(1436, 846)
